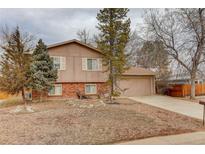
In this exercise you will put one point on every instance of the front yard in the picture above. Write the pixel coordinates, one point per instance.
(70, 122)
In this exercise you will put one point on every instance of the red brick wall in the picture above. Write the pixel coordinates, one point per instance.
(69, 90)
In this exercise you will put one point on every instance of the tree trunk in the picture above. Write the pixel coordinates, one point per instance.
(41, 96)
(193, 78)
(23, 97)
(111, 82)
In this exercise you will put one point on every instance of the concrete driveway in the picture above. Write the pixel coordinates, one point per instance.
(172, 104)
(181, 139)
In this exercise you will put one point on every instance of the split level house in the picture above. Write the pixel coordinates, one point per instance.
(80, 69)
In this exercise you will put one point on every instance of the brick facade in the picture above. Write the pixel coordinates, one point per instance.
(69, 90)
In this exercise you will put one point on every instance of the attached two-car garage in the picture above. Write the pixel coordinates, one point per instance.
(137, 82)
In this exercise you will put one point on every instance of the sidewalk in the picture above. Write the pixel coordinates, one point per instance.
(189, 138)
(194, 110)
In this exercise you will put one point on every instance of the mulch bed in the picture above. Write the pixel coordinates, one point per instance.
(63, 122)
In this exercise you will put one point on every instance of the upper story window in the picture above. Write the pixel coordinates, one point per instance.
(59, 62)
(92, 64)
(56, 62)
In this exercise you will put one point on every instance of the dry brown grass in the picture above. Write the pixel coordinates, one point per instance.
(58, 122)
(12, 101)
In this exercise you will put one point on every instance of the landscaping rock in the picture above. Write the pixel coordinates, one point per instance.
(90, 103)
(29, 109)
(22, 109)
(17, 109)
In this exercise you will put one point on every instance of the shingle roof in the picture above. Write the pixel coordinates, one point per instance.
(74, 41)
(138, 71)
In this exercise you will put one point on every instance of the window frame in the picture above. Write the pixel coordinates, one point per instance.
(96, 69)
(61, 62)
(91, 92)
(53, 57)
(55, 85)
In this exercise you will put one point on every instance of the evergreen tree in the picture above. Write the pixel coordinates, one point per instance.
(114, 27)
(42, 72)
(15, 62)
(153, 55)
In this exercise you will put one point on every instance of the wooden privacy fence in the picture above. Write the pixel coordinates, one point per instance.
(4, 95)
(179, 90)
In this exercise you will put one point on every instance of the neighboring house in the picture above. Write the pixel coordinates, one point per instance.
(80, 69)
(184, 78)
(180, 85)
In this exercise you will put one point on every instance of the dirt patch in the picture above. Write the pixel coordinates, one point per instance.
(63, 122)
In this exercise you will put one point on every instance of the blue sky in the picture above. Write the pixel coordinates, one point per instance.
(56, 25)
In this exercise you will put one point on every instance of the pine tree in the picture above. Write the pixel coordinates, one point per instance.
(153, 55)
(114, 27)
(15, 62)
(42, 72)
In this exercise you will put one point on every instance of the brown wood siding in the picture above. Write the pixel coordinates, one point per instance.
(74, 53)
(137, 85)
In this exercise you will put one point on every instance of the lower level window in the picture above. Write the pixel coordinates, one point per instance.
(90, 89)
(55, 90)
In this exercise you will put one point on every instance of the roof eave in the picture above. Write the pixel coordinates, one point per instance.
(73, 41)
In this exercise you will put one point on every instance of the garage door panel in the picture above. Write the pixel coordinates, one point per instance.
(136, 86)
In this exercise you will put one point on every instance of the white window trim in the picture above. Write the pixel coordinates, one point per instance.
(98, 63)
(91, 85)
(57, 94)
(84, 64)
(62, 62)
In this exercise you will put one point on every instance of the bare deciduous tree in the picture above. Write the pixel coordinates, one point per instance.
(133, 47)
(153, 55)
(183, 35)
(84, 36)
(149, 54)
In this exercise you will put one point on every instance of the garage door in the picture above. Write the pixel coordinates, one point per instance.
(136, 86)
